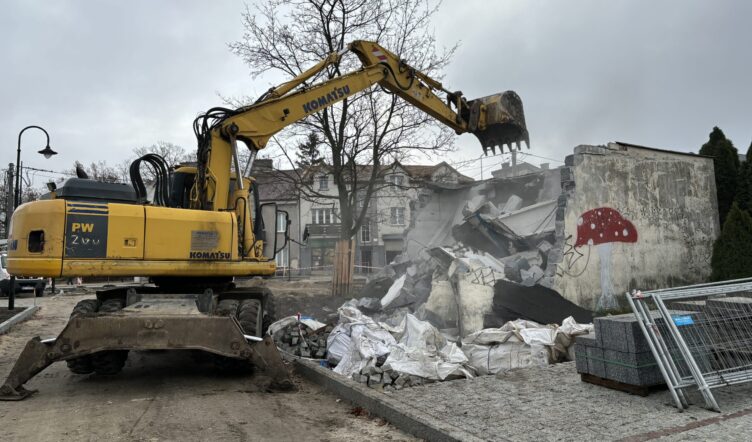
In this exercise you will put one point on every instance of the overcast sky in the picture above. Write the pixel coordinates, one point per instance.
(104, 77)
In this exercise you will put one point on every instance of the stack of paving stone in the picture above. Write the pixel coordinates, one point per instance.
(299, 340)
(617, 351)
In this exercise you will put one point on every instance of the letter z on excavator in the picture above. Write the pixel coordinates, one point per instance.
(203, 227)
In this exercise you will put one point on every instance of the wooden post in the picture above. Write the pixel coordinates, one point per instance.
(344, 262)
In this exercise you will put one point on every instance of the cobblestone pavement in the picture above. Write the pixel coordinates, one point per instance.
(552, 403)
(166, 396)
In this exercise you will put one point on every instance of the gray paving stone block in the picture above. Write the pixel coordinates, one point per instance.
(588, 340)
(645, 377)
(596, 367)
(634, 360)
(613, 332)
(623, 333)
(580, 358)
(632, 368)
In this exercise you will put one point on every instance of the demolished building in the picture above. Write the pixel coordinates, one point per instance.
(613, 218)
(504, 273)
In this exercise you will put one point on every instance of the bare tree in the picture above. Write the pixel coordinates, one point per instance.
(368, 129)
(172, 153)
(99, 171)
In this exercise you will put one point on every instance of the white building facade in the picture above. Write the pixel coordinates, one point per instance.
(390, 210)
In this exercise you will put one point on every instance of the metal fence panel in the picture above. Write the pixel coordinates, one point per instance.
(701, 336)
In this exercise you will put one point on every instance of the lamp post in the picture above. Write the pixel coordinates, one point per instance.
(47, 152)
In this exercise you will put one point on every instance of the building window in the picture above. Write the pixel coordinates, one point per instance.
(281, 222)
(365, 231)
(397, 180)
(283, 257)
(397, 216)
(323, 182)
(322, 257)
(322, 216)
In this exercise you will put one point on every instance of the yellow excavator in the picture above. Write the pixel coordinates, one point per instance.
(203, 226)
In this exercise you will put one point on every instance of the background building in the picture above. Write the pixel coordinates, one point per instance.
(380, 239)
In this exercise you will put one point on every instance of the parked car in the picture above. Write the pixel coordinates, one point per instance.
(35, 285)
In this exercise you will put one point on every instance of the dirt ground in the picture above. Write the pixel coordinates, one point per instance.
(309, 297)
(168, 396)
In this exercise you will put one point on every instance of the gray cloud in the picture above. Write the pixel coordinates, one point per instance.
(105, 77)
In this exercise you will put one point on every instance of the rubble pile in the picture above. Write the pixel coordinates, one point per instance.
(302, 337)
(471, 293)
(415, 352)
(509, 228)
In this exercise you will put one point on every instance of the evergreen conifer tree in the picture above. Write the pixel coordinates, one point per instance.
(744, 186)
(726, 164)
(308, 151)
(732, 254)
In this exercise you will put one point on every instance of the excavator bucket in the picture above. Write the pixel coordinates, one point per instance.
(498, 120)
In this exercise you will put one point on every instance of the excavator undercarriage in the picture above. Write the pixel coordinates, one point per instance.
(230, 325)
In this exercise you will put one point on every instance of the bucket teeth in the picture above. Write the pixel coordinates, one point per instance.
(504, 122)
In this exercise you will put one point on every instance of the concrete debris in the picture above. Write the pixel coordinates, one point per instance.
(537, 303)
(379, 355)
(505, 231)
(301, 336)
(416, 352)
(377, 286)
(514, 203)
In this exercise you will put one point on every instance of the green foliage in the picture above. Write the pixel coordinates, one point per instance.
(744, 186)
(726, 163)
(308, 151)
(732, 254)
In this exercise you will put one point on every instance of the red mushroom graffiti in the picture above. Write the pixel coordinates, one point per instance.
(601, 228)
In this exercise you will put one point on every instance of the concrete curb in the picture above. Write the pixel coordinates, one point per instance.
(19, 317)
(382, 405)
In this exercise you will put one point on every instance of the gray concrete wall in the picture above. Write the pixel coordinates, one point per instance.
(659, 209)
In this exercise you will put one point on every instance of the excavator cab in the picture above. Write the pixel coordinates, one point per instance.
(498, 120)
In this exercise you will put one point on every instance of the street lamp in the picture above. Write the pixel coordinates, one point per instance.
(47, 152)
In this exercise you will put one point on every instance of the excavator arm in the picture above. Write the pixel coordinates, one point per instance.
(496, 120)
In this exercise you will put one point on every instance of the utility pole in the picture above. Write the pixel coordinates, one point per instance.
(9, 192)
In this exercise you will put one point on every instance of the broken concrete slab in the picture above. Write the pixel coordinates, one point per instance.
(474, 302)
(540, 304)
(531, 220)
(513, 203)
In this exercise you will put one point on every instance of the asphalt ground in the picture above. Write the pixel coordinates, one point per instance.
(167, 395)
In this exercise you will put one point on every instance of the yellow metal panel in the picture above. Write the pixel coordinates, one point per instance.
(184, 234)
(218, 173)
(126, 267)
(45, 267)
(47, 216)
(125, 233)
